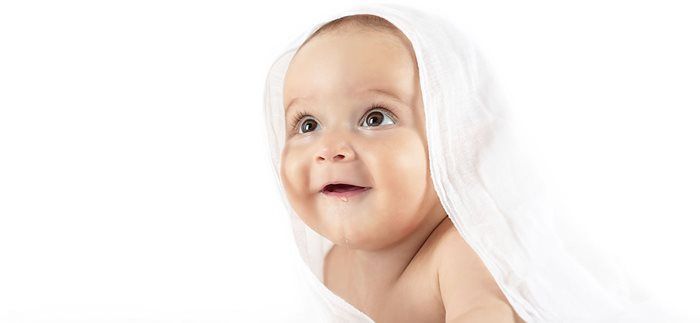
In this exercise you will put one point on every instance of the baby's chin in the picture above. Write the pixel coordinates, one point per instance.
(359, 231)
(361, 223)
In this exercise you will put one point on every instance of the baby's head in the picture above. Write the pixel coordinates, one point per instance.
(356, 117)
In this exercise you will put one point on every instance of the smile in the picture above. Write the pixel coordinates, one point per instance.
(344, 192)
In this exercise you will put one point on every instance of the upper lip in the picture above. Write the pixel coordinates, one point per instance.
(340, 182)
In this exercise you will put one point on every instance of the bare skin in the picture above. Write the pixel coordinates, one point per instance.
(419, 294)
(397, 256)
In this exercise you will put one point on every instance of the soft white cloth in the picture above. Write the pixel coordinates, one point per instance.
(485, 184)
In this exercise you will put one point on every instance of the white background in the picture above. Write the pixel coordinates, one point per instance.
(135, 181)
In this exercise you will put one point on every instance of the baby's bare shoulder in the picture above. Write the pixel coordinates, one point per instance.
(466, 286)
(450, 248)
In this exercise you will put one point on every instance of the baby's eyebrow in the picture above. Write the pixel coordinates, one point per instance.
(382, 92)
(385, 93)
(398, 102)
(293, 102)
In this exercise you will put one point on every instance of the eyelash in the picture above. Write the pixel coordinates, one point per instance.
(301, 114)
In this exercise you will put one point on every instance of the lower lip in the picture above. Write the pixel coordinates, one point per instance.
(346, 194)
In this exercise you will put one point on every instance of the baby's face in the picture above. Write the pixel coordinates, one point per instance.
(363, 124)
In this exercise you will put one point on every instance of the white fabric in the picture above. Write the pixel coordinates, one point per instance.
(484, 182)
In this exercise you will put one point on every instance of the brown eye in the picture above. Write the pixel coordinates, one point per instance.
(308, 125)
(376, 118)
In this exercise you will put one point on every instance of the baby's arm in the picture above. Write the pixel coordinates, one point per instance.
(498, 312)
(469, 292)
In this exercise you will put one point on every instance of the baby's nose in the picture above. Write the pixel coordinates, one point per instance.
(335, 153)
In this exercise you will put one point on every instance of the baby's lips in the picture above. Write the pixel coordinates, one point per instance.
(339, 184)
(342, 187)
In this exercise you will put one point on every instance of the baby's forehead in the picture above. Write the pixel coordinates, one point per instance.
(371, 42)
(349, 73)
(351, 79)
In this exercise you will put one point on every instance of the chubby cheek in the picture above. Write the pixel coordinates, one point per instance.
(295, 177)
(399, 169)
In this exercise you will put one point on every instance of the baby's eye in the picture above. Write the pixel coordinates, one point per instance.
(308, 125)
(376, 117)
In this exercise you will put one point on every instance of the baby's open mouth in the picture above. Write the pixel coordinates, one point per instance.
(344, 191)
(340, 188)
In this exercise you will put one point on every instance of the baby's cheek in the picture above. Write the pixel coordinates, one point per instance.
(409, 166)
(400, 176)
(284, 172)
(296, 181)
(290, 171)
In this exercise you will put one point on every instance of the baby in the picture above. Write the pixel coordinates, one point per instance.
(355, 169)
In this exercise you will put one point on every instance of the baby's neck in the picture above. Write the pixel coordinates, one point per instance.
(374, 272)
